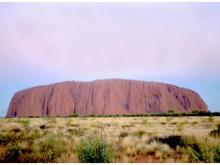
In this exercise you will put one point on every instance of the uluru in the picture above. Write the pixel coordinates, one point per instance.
(104, 97)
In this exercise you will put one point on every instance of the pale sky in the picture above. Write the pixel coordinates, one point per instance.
(178, 43)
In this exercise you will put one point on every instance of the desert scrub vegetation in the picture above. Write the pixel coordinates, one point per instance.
(201, 149)
(111, 139)
(94, 150)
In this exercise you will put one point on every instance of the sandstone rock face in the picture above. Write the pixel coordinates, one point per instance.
(102, 97)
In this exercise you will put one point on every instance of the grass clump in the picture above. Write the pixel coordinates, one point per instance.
(25, 123)
(180, 126)
(140, 133)
(94, 150)
(145, 122)
(210, 119)
(169, 118)
(52, 121)
(194, 123)
(126, 126)
(76, 131)
(152, 147)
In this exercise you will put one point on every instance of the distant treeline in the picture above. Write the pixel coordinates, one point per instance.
(169, 113)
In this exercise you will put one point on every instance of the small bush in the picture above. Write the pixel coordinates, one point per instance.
(123, 134)
(94, 150)
(194, 122)
(73, 115)
(217, 154)
(12, 153)
(43, 126)
(170, 111)
(140, 133)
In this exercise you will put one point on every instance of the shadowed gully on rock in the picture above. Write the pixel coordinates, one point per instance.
(103, 97)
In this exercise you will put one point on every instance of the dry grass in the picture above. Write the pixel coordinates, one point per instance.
(133, 139)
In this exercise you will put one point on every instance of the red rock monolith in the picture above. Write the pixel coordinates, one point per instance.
(103, 97)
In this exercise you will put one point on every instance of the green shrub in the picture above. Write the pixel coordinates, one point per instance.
(12, 153)
(94, 150)
(217, 154)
